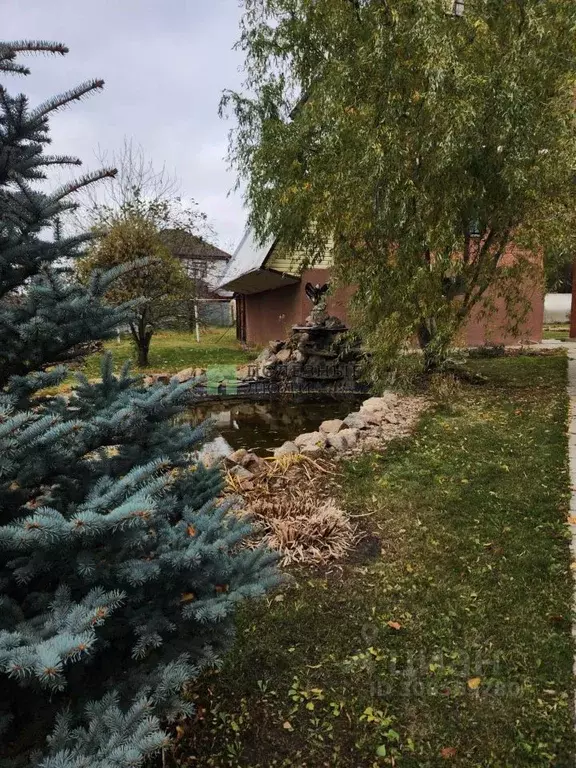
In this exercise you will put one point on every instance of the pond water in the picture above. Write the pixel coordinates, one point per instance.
(265, 425)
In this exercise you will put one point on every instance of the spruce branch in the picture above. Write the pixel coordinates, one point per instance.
(75, 94)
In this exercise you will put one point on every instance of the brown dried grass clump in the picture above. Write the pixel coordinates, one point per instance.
(305, 530)
(293, 511)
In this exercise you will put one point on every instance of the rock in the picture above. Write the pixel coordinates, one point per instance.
(288, 449)
(356, 421)
(391, 398)
(241, 473)
(388, 400)
(186, 375)
(265, 357)
(275, 346)
(331, 426)
(236, 457)
(300, 357)
(214, 451)
(157, 378)
(264, 372)
(252, 462)
(311, 450)
(350, 436)
(310, 438)
(374, 417)
(391, 418)
(374, 404)
(244, 371)
(336, 441)
(284, 355)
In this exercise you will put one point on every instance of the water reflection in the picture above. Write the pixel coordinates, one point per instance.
(265, 425)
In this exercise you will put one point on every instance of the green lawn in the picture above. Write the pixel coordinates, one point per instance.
(452, 644)
(557, 331)
(172, 351)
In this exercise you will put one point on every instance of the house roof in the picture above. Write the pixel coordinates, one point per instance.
(183, 245)
(246, 273)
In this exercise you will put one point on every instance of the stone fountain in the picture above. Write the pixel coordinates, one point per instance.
(317, 358)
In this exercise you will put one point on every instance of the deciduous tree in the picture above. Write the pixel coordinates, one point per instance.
(155, 279)
(419, 144)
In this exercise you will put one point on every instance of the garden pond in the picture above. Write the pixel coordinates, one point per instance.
(265, 425)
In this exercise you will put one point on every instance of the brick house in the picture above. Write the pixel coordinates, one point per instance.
(270, 298)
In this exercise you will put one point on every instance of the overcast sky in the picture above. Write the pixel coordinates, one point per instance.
(165, 63)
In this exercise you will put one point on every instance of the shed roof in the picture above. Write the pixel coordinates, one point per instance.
(245, 272)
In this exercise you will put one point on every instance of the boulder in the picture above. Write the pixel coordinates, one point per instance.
(336, 441)
(374, 404)
(157, 378)
(374, 417)
(236, 457)
(284, 355)
(214, 451)
(311, 450)
(241, 473)
(388, 400)
(187, 374)
(288, 449)
(244, 371)
(356, 421)
(350, 436)
(252, 462)
(265, 357)
(310, 438)
(331, 426)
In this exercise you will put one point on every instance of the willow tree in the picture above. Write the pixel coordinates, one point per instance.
(422, 141)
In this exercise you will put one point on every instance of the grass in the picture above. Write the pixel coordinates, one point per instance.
(172, 351)
(452, 645)
(559, 331)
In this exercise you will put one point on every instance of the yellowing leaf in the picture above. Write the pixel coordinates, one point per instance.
(474, 683)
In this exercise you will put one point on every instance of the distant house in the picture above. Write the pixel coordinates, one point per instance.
(205, 265)
(270, 298)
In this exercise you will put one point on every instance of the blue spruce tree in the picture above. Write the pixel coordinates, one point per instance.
(119, 570)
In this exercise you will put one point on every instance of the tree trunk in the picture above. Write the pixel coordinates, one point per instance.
(143, 350)
(142, 335)
(434, 351)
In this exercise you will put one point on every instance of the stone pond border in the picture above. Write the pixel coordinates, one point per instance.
(378, 420)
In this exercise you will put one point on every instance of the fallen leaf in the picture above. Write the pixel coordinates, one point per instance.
(394, 625)
(572, 520)
(474, 683)
(448, 752)
(287, 725)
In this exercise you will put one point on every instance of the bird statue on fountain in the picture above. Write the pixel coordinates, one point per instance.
(317, 295)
